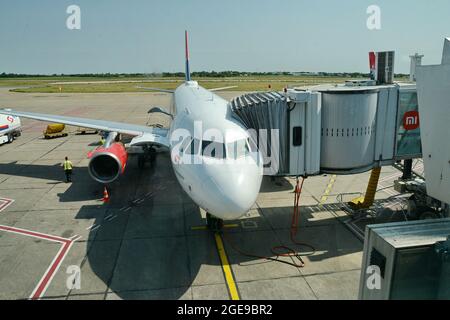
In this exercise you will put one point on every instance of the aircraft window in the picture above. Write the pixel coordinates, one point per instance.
(238, 149)
(194, 147)
(213, 149)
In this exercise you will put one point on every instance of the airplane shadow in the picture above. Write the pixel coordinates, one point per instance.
(82, 189)
(145, 247)
(150, 251)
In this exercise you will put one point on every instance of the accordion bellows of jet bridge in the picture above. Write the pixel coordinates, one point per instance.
(267, 110)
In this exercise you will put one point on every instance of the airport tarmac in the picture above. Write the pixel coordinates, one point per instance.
(149, 241)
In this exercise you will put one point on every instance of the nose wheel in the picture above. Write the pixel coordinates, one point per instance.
(214, 224)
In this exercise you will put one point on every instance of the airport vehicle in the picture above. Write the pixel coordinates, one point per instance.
(55, 130)
(81, 130)
(215, 182)
(10, 128)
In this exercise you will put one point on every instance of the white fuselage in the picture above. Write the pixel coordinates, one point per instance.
(223, 184)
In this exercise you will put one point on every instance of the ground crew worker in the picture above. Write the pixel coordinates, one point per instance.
(68, 166)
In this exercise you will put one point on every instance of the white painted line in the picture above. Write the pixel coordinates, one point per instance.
(5, 203)
(51, 271)
(88, 228)
(93, 229)
(33, 234)
(398, 174)
(76, 239)
(392, 176)
(53, 268)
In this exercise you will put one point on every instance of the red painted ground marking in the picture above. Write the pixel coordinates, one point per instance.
(43, 284)
(51, 271)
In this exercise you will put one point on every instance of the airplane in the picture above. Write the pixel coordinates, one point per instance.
(205, 142)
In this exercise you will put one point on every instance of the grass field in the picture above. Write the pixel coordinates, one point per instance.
(131, 84)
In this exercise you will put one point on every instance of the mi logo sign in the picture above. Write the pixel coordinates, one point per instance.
(411, 120)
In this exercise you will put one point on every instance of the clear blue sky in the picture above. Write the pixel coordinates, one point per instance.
(243, 35)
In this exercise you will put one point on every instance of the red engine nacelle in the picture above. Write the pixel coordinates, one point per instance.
(107, 164)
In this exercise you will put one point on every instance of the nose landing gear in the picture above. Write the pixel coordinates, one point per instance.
(214, 224)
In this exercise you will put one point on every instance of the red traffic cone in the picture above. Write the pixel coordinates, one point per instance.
(105, 196)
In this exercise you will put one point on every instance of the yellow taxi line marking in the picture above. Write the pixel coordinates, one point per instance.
(327, 190)
(199, 228)
(232, 288)
(227, 226)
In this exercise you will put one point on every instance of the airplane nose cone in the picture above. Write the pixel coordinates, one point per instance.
(233, 191)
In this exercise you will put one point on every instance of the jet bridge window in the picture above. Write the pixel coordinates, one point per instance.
(297, 136)
(238, 149)
(213, 149)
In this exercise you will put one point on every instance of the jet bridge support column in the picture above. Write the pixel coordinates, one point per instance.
(407, 169)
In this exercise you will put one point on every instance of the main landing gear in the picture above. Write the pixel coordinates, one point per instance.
(149, 155)
(214, 224)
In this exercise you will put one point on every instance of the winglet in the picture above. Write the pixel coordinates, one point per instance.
(188, 73)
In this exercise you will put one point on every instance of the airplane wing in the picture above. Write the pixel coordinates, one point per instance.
(103, 125)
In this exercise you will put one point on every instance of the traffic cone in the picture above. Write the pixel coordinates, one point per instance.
(105, 196)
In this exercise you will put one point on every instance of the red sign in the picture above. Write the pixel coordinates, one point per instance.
(411, 120)
(372, 60)
(10, 119)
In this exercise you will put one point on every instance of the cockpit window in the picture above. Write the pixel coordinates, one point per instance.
(213, 149)
(238, 149)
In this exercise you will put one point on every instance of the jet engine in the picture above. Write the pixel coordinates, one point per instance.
(108, 163)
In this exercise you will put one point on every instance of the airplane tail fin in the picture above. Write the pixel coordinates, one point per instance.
(188, 72)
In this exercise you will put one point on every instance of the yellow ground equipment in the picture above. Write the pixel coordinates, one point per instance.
(55, 130)
(367, 201)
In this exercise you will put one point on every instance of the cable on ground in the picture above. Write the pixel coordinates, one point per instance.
(284, 251)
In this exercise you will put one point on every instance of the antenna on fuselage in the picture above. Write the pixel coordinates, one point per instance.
(188, 72)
